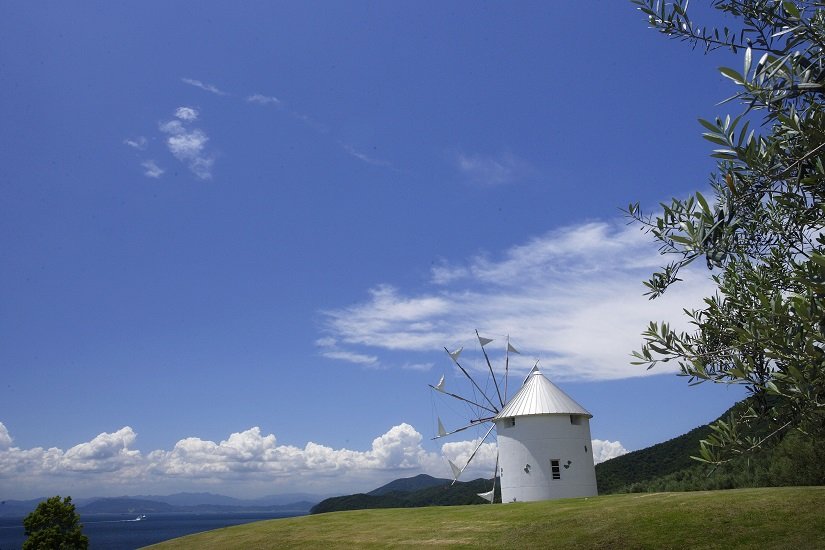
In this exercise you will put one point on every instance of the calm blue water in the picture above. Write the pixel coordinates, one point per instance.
(122, 532)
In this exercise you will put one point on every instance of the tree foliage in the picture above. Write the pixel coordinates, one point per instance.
(54, 525)
(762, 234)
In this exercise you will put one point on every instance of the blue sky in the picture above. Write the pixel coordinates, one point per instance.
(235, 239)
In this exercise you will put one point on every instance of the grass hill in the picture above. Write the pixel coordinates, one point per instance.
(788, 517)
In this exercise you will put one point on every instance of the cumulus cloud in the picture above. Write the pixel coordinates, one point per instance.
(241, 462)
(605, 450)
(187, 144)
(5, 438)
(247, 463)
(206, 87)
(105, 453)
(572, 298)
(501, 169)
(186, 113)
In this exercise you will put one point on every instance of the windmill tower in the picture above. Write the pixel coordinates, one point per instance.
(544, 445)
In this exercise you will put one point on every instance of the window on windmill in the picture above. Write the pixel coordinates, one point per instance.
(510, 423)
(555, 469)
(575, 419)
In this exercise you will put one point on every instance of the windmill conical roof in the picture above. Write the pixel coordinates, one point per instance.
(539, 395)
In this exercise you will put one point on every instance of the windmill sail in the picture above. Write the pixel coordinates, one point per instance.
(473, 423)
(483, 341)
(456, 470)
(488, 496)
(441, 431)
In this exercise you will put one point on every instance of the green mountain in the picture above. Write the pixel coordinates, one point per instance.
(422, 490)
(795, 459)
(409, 484)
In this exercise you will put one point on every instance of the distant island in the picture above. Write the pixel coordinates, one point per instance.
(179, 503)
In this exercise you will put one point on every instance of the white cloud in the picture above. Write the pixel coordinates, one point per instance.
(571, 297)
(605, 450)
(248, 463)
(261, 99)
(363, 157)
(500, 169)
(5, 438)
(188, 145)
(351, 357)
(105, 453)
(186, 113)
(151, 169)
(138, 143)
(206, 87)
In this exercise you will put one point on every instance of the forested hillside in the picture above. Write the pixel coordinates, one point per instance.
(796, 459)
(437, 492)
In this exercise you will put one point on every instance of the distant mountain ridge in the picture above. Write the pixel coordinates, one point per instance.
(176, 503)
(196, 499)
(409, 484)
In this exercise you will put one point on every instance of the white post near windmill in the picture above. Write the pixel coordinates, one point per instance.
(544, 445)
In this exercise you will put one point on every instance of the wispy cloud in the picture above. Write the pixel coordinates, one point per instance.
(188, 144)
(138, 143)
(206, 87)
(571, 298)
(352, 151)
(246, 463)
(504, 168)
(260, 99)
(151, 169)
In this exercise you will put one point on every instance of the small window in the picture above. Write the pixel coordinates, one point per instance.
(555, 469)
(575, 419)
(509, 422)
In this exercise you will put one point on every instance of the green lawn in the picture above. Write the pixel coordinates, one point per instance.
(787, 517)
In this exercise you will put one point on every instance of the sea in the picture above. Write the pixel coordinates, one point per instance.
(116, 531)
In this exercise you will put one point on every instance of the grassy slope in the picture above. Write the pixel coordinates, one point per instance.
(787, 517)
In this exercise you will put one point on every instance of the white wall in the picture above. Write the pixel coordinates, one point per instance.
(536, 440)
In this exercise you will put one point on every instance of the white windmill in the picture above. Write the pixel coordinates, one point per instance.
(544, 446)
